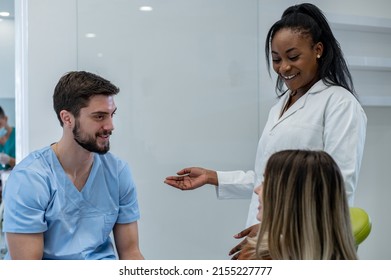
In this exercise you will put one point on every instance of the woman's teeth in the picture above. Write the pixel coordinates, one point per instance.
(289, 77)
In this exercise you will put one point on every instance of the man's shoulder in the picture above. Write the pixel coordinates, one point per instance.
(34, 171)
(110, 156)
(35, 159)
(110, 160)
(112, 165)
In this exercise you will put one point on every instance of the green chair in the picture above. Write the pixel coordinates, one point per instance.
(361, 224)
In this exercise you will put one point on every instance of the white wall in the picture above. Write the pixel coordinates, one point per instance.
(188, 79)
(188, 74)
(52, 51)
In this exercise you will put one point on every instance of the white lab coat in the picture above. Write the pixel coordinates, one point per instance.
(327, 118)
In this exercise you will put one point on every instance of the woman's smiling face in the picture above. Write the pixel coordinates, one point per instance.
(294, 56)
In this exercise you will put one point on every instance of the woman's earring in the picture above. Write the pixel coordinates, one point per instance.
(318, 56)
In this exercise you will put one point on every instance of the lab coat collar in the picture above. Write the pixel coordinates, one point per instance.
(319, 86)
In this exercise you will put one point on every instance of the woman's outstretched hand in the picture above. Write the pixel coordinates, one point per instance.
(192, 178)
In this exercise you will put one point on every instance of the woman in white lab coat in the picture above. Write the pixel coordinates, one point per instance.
(317, 110)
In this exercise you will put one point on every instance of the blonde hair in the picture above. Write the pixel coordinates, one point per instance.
(305, 210)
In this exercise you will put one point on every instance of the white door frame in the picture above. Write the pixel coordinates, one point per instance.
(21, 79)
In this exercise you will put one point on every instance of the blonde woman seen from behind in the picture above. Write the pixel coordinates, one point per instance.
(303, 210)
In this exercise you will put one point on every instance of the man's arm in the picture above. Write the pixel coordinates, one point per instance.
(126, 241)
(25, 246)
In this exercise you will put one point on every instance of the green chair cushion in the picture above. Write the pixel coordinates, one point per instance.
(361, 224)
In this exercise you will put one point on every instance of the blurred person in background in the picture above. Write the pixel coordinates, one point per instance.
(7, 143)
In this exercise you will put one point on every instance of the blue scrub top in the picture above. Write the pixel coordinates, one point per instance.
(39, 197)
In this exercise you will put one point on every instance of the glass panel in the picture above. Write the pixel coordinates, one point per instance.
(7, 99)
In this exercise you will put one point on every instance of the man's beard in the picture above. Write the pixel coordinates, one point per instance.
(88, 142)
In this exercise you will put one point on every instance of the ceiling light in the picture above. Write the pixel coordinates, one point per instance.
(4, 14)
(146, 8)
(90, 35)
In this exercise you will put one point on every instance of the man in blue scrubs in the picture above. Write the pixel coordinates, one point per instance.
(64, 200)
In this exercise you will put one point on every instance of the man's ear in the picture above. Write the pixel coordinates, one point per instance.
(67, 118)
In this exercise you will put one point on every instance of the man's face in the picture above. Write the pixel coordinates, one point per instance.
(94, 125)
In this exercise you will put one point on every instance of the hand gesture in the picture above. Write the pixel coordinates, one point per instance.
(236, 252)
(192, 178)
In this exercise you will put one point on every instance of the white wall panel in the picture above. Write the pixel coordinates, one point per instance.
(189, 96)
(51, 52)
